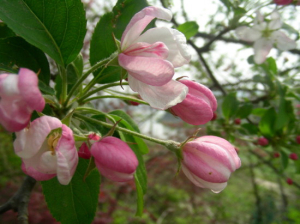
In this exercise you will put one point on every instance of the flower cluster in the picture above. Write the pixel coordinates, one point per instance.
(265, 35)
(47, 146)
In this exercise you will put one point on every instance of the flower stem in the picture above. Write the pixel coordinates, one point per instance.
(85, 75)
(171, 145)
(64, 90)
(115, 96)
(81, 99)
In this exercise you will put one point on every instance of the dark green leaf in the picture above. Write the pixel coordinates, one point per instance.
(227, 3)
(46, 89)
(74, 71)
(244, 110)
(266, 124)
(250, 129)
(283, 114)
(75, 203)
(15, 53)
(56, 27)
(189, 29)
(5, 32)
(230, 106)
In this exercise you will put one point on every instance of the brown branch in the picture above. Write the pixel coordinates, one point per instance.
(19, 201)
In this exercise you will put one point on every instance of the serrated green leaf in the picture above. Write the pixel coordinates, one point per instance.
(189, 29)
(266, 124)
(75, 203)
(56, 27)
(230, 106)
(15, 53)
(112, 23)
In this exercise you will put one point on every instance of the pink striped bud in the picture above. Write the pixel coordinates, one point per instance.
(199, 105)
(208, 162)
(84, 151)
(114, 159)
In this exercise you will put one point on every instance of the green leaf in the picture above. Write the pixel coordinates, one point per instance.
(244, 110)
(189, 29)
(75, 203)
(74, 71)
(46, 89)
(283, 114)
(266, 124)
(284, 160)
(227, 3)
(230, 106)
(5, 32)
(56, 27)
(250, 129)
(15, 53)
(112, 23)
(271, 65)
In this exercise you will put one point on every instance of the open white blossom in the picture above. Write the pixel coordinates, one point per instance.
(265, 35)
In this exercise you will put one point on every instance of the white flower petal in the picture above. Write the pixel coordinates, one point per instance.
(262, 48)
(160, 97)
(173, 39)
(247, 33)
(282, 41)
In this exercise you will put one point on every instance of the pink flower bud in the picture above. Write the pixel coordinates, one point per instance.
(94, 137)
(84, 151)
(276, 154)
(289, 181)
(114, 159)
(208, 162)
(19, 97)
(293, 156)
(262, 141)
(237, 121)
(199, 105)
(298, 139)
(47, 149)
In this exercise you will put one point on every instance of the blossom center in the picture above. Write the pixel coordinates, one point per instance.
(52, 142)
(266, 33)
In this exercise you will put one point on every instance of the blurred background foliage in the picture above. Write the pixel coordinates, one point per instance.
(254, 101)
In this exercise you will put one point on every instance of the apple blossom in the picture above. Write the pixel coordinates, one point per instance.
(208, 162)
(19, 97)
(47, 149)
(114, 159)
(199, 105)
(150, 58)
(265, 35)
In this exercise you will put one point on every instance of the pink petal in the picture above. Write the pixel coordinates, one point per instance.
(159, 97)
(30, 140)
(225, 144)
(204, 165)
(34, 173)
(113, 175)
(247, 33)
(282, 41)
(215, 187)
(152, 71)
(155, 50)
(139, 22)
(115, 155)
(28, 86)
(67, 156)
(262, 48)
(174, 40)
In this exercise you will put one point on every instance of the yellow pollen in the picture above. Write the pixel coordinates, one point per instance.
(52, 142)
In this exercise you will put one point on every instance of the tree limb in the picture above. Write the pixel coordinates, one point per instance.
(19, 201)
